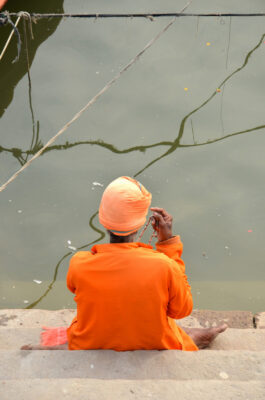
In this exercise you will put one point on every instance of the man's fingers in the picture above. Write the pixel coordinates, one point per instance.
(159, 210)
(162, 212)
(159, 218)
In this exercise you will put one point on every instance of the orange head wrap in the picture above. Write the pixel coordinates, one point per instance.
(124, 206)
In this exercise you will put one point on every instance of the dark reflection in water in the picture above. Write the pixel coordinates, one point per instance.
(176, 143)
(11, 74)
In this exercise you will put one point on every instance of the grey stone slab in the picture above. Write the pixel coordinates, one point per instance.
(139, 365)
(260, 320)
(208, 318)
(96, 389)
(231, 339)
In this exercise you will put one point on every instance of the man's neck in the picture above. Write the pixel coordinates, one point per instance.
(122, 239)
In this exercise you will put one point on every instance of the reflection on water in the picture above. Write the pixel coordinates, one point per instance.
(176, 143)
(36, 143)
(11, 74)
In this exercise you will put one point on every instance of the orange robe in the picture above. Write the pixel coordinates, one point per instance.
(127, 297)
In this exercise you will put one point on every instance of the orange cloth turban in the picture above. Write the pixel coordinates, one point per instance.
(124, 206)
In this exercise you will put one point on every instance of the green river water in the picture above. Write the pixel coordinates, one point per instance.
(200, 151)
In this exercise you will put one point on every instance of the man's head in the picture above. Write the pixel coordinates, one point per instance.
(124, 206)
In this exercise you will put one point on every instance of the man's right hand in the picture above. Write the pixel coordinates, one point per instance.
(162, 223)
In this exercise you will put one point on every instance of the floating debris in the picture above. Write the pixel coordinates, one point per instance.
(26, 301)
(13, 287)
(226, 247)
(72, 248)
(97, 72)
(69, 242)
(208, 44)
(186, 89)
(97, 184)
(19, 211)
(91, 366)
(10, 201)
(36, 281)
(250, 230)
(218, 90)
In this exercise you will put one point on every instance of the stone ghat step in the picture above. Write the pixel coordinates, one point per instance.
(96, 389)
(231, 339)
(134, 365)
(15, 318)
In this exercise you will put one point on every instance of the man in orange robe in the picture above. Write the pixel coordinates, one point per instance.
(127, 293)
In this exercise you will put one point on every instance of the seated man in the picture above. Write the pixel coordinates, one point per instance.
(127, 293)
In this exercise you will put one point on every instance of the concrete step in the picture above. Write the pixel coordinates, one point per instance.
(133, 365)
(231, 339)
(96, 389)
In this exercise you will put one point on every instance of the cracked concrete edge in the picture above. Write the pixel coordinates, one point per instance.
(259, 320)
(15, 318)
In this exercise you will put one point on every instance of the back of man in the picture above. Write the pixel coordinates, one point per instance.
(126, 294)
